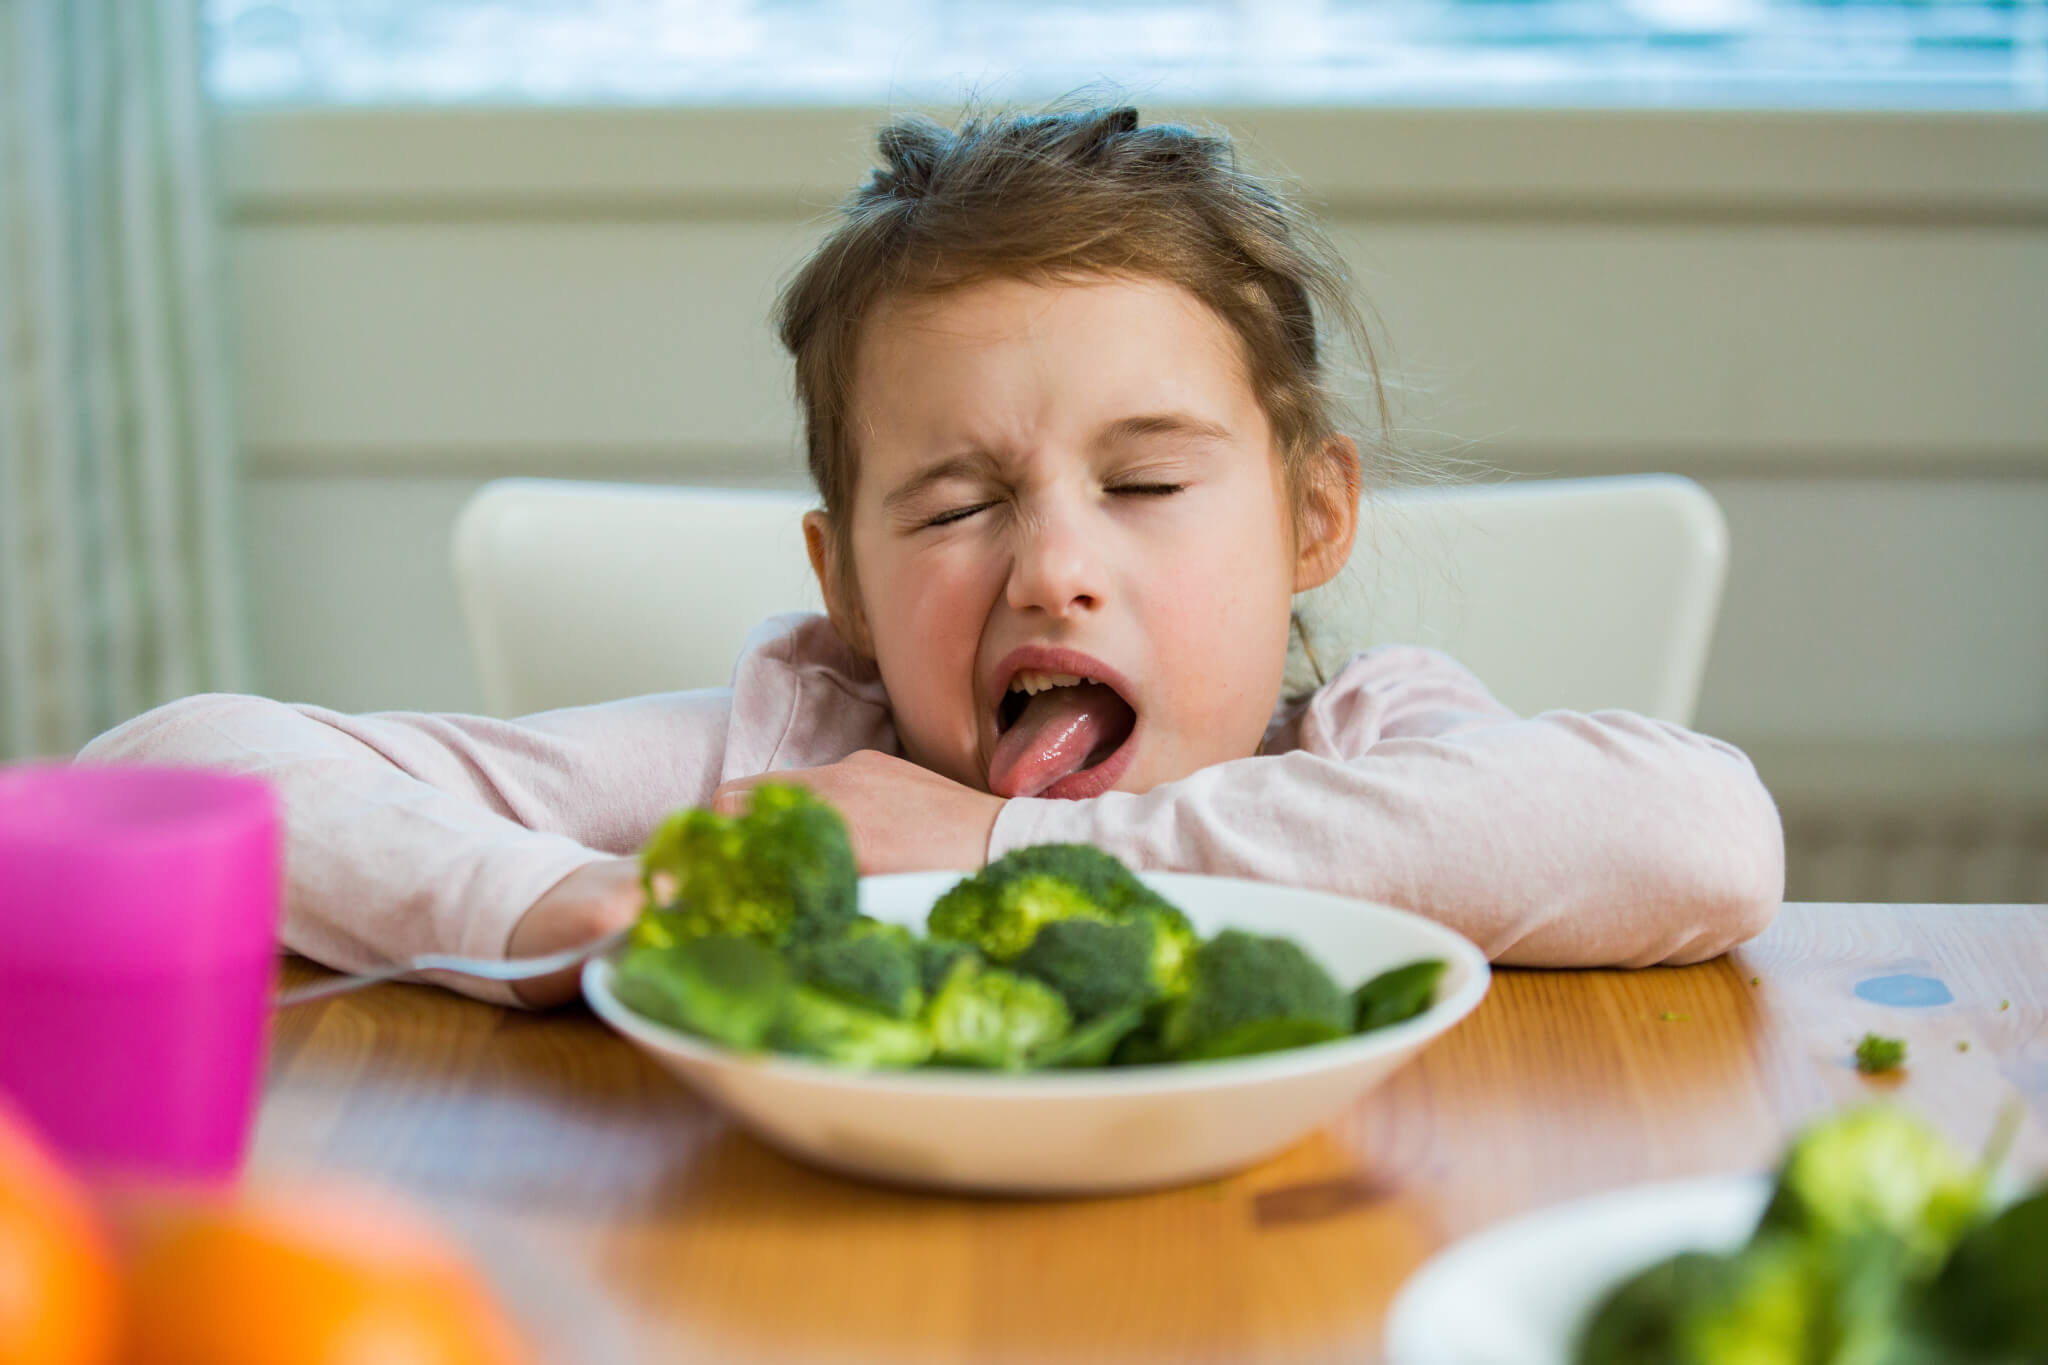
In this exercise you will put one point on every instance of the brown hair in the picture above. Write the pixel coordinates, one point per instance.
(1069, 193)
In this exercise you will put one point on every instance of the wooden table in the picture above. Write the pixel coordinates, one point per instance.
(631, 1211)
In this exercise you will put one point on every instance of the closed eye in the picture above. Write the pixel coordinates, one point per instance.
(1149, 490)
(957, 514)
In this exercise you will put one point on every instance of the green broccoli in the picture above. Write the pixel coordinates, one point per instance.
(1876, 1054)
(1768, 1307)
(1874, 1250)
(935, 959)
(829, 1028)
(1254, 994)
(784, 870)
(988, 1017)
(1987, 1304)
(724, 987)
(1096, 966)
(1174, 943)
(1092, 1043)
(1877, 1171)
(1142, 1046)
(1764, 1307)
(868, 963)
(1002, 916)
(1001, 908)
(1397, 995)
(1120, 894)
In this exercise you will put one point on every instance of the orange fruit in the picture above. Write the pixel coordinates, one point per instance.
(309, 1276)
(58, 1291)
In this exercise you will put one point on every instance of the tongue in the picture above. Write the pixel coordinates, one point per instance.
(1056, 737)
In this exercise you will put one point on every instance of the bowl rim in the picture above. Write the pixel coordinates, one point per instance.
(1078, 1082)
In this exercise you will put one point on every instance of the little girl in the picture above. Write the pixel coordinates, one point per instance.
(1070, 419)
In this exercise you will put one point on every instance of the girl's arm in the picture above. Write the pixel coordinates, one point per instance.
(410, 833)
(1603, 839)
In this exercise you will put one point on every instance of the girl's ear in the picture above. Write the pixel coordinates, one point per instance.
(842, 600)
(1326, 519)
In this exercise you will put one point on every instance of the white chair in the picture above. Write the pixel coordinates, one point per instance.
(1571, 593)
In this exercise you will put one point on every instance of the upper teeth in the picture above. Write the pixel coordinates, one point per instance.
(1032, 683)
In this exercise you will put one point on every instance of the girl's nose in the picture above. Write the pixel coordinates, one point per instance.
(1056, 566)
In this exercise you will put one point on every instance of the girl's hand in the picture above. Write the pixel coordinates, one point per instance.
(587, 904)
(903, 818)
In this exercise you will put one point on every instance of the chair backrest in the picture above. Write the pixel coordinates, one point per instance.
(1572, 593)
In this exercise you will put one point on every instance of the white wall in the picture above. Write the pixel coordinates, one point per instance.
(1839, 323)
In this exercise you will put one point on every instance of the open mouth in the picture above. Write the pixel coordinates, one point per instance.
(1060, 735)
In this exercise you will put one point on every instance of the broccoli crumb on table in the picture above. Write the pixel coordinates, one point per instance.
(1876, 1055)
(551, 1135)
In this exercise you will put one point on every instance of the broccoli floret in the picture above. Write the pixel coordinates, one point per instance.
(1877, 1171)
(1096, 966)
(803, 844)
(1001, 908)
(829, 1028)
(1762, 1307)
(1397, 995)
(1174, 942)
(988, 1017)
(1142, 1045)
(784, 870)
(1001, 917)
(1770, 1305)
(868, 963)
(1092, 1043)
(1119, 893)
(1876, 1054)
(722, 987)
(1254, 994)
(1986, 1304)
(1099, 876)
(935, 960)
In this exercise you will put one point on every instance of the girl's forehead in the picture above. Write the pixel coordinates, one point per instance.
(1091, 340)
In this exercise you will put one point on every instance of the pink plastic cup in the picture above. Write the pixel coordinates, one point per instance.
(138, 952)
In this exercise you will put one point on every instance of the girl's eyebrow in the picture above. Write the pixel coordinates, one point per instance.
(953, 467)
(1161, 424)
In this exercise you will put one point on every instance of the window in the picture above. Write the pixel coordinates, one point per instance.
(1836, 53)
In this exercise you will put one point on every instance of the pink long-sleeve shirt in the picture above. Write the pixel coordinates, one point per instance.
(1563, 839)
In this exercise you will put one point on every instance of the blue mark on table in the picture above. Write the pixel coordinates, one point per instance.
(1911, 991)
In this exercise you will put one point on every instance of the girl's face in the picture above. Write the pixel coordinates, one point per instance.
(1073, 550)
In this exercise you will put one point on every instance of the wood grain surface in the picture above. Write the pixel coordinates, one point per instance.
(629, 1221)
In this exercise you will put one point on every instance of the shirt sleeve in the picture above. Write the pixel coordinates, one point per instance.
(1560, 840)
(413, 833)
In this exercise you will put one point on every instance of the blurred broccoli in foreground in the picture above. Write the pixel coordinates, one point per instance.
(782, 871)
(1877, 1172)
(1698, 1308)
(1875, 1249)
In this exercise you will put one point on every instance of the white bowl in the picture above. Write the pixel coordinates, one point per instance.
(1082, 1131)
(1518, 1292)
